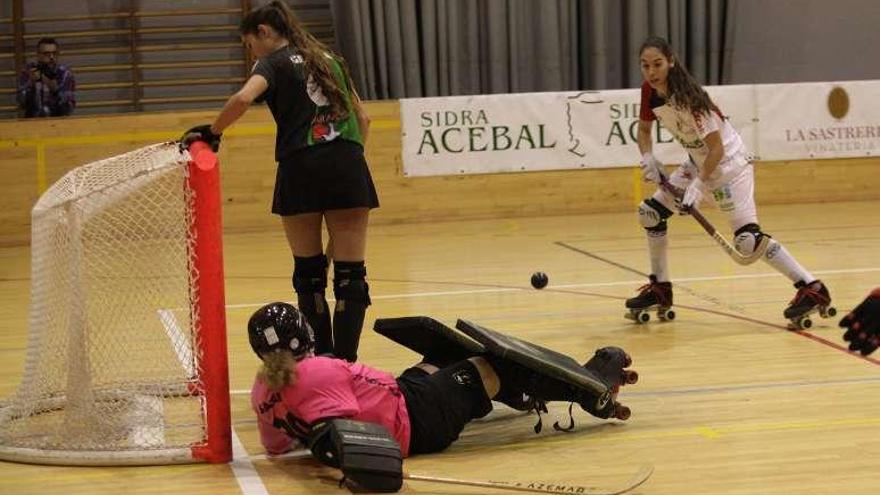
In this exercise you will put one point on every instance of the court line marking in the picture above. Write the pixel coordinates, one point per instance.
(712, 389)
(246, 475)
(497, 288)
(802, 333)
(717, 431)
(703, 431)
(749, 387)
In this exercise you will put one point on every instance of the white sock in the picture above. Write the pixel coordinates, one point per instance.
(779, 258)
(657, 251)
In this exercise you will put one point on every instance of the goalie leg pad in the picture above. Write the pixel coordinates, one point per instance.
(747, 238)
(653, 215)
(365, 452)
(435, 342)
(542, 373)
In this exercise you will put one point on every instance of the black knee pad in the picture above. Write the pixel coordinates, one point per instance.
(310, 274)
(653, 215)
(349, 282)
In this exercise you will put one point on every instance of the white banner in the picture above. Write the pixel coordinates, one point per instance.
(597, 129)
(518, 132)
(819, 120)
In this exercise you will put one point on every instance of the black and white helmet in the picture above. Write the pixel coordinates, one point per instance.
(280, 326)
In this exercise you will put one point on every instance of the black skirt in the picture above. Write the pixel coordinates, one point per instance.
(331, 176)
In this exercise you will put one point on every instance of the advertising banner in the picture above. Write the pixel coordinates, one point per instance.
(598, 129)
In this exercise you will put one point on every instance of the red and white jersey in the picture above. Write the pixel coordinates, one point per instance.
(690, 130)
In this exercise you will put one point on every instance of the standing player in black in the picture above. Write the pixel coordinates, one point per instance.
(322, 173)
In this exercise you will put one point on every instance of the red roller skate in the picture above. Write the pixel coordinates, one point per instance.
(653, 295)
(810, 298)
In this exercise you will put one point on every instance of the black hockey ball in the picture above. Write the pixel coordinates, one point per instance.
(539, 280)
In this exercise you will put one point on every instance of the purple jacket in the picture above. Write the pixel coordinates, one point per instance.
(38, 100)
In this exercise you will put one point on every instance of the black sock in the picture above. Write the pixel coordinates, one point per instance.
(309, 281)
(352, 299)
(314, 307)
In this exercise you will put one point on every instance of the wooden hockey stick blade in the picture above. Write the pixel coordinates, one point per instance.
(637, 479)
(738, 257)
(731, 251)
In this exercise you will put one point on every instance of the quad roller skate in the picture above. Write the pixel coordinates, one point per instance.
(653, 295)
(810, 298)
(609, 364)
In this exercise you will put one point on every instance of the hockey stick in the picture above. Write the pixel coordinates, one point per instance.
(636, 480)
(731, 251)
(544, 487)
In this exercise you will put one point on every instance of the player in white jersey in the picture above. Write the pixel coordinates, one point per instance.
(718, 167)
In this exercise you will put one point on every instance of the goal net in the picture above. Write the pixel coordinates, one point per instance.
(126, 354)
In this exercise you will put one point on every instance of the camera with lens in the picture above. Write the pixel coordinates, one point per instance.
(47, 70)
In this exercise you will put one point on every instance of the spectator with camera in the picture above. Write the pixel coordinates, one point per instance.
(46, 88)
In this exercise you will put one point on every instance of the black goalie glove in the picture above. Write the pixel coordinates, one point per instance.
(365, 452)
(863, 325)
(201, 133)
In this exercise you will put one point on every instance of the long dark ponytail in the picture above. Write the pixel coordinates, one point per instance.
(316, 56)
(684, 91)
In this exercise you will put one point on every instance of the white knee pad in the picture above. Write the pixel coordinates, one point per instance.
(747, 239)
(745, 243)
(650, 217)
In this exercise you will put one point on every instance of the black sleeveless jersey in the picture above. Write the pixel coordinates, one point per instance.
(298, 104)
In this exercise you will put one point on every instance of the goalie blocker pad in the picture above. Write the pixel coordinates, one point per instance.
(437, 343)
(366, 453)
(545, 362)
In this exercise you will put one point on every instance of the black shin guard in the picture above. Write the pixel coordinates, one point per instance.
(352, 299)
(309, 282)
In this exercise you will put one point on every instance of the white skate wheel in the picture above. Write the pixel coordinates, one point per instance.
(805, 323)
(831, 312)
(644, 317)
(670, 314)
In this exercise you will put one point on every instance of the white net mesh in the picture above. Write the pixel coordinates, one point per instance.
(111, 362)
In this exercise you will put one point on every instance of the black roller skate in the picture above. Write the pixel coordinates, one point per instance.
(810, 298)
(653, 295)
(609, 364)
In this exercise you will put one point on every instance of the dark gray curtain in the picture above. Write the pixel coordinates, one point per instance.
(412, 48)
(802, 40)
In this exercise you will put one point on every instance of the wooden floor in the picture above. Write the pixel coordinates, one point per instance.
(728, 402)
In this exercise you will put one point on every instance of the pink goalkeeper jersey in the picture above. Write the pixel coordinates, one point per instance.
(329, 388)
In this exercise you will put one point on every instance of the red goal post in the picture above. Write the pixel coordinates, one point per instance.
(126, 359)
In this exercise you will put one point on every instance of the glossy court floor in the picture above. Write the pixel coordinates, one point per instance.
(729, 401)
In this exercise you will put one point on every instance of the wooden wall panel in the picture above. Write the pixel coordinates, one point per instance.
(249, 173)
